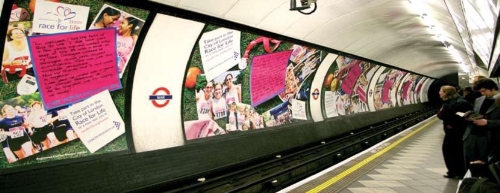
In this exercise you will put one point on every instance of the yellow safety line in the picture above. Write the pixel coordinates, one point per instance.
(364, 162)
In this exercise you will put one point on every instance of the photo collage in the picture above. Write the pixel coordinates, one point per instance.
(256, 95)
(32, 130)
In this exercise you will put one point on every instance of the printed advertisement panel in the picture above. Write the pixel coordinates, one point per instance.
(346, 86)
(33, 133)
(263, 89)
(385, 88)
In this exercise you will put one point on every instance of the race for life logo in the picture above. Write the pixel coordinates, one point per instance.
(160, 97)
(52, 17)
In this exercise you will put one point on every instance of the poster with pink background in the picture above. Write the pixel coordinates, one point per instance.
(267, 76)
(70, 67)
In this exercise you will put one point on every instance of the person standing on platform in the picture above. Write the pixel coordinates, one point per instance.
(484, 122)
(470, 95)
(454, 127)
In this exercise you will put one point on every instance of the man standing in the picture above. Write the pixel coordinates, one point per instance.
(476, 146)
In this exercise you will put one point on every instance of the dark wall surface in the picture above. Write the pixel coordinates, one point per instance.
(450, 79)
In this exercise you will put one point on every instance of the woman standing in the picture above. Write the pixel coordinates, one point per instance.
(454, 128)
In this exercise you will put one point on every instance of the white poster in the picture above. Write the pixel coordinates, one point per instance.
(374, 93)
(96, 121)
(51, 17)
(330, 109)
(220, 51)
(299, 109)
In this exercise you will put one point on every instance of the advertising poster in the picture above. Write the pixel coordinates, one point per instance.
(415, 90)
(96, 121)
(250, 94)
(418, 91)
(279, 115)
(403, 90)
(329, 91)
(385, 89)
(53, 17)
(265, 83)
(16, 61)
(318, 100)
(70, 67)
(408, 88)
(346, 86)
(219, 51)
(31, 132)
(127, 28)
(26, 128)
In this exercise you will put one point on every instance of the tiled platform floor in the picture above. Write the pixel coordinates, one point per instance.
(416, 166)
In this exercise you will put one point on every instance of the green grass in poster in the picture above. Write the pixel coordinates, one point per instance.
(73, 149)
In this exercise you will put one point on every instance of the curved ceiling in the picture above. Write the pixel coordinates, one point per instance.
(400, 33)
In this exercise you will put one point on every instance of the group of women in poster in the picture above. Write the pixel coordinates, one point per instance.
(26, 128)
(25, 131)
(351, 86)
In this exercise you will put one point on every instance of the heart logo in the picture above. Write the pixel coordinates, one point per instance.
(60, 10)
(65, 12)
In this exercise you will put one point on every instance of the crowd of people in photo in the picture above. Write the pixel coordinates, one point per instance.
(223, 101)
(471, 118)
(25, 131)
(281, 114)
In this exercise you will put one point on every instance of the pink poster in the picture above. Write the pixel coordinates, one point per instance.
(351, 78)
(361, 93)
(406, 87)
(70, 67)
(267, 78)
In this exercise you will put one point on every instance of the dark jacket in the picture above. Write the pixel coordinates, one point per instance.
(450, 108)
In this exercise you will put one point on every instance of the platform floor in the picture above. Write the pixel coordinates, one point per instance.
(410, 162)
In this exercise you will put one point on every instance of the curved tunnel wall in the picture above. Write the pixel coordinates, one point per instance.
(281, 84)
(289, 94)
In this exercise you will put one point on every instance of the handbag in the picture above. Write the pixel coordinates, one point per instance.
(478, 185)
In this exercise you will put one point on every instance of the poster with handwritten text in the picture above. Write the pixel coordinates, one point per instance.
(70, 67)
(351, 78)
(267, 78)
